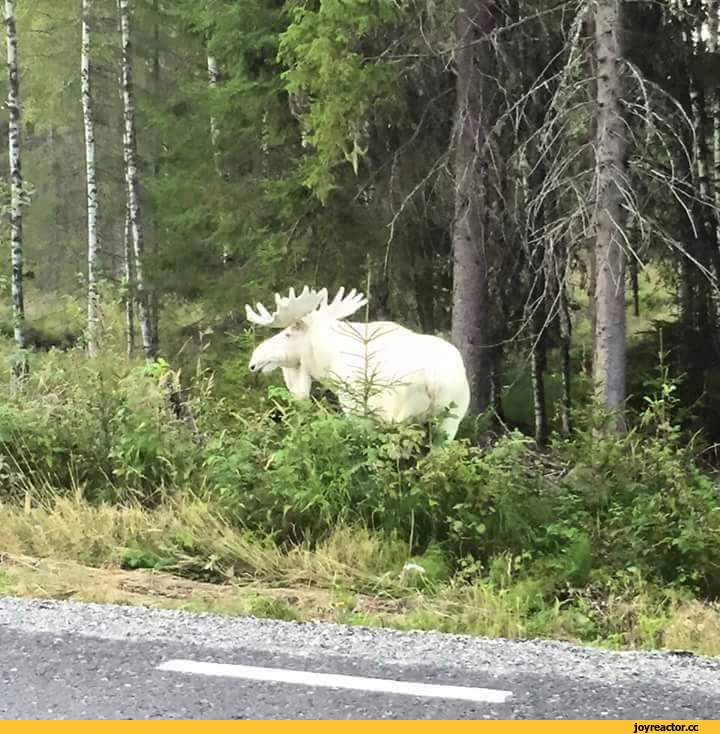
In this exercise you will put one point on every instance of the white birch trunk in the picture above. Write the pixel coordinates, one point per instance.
(700, 101)
(697, 104)
(16, 186)
(93, 300)
(609, 296)
(133, 182)
(129, 284)
(265, 144)
(537, 382)
(565, 364)
(713, 20)
(213, 81)
(154, 296)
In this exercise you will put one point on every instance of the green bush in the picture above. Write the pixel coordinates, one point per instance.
(591, 507)
(92, 427)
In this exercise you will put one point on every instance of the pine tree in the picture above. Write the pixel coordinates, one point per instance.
(471, 240)
(612, 177)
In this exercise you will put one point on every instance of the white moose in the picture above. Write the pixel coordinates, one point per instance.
(380, 368)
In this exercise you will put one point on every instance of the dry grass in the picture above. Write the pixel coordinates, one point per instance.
(185, 533)
(47, 579)
(68, 549)
(691, 626)
(694, 626)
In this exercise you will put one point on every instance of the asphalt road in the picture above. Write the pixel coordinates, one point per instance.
(61, 660)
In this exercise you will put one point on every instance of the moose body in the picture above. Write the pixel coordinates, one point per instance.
(380, 367)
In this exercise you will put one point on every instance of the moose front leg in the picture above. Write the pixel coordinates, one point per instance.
(297, 381)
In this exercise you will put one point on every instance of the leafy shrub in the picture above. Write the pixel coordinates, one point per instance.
(590, 508)
(103, 430)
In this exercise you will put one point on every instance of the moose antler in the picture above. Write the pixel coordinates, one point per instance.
(343, 305)
(288, 309)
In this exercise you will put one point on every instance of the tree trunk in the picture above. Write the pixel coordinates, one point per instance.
(706, 241)
(155, 71)
(133, 182)
(495, 397)
(265, 143)
(213, 81)
(697, 100)
(537, 379)
(635, 287)
(20, 367)
(713, 8)
(381, 296)
(470, 317)
(609, 297)
(686, 295)
(565, 366)
(93, 301)
(129, 286)
(424, 294)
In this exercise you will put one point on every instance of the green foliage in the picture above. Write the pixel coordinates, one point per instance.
(326, 50)
(102, 428)
(595, 506)
(592, 507)
(134, 558)
(313, 469)
(270, 608)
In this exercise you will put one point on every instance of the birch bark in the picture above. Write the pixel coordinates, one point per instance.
(129, 285)
(132, 180)
(15, 169)
(155, 237)
(703, 174)
(213, 82)
(93, 301)
(713, 7)
(16, 187)
(565, 324)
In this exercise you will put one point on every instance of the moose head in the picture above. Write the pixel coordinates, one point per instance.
(305, 321)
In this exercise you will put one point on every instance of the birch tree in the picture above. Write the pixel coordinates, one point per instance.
(475, 19)
(213, 80)
(157, 155)
(128, 286)
(611, 177)
(565, 324)
(699, 107)
(91, 182)
(16, 188)
(132, 180)
(713, 8)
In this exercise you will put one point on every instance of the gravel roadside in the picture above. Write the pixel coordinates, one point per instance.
(496, 657)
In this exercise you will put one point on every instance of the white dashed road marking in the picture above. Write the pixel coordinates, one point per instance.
(326, 680)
